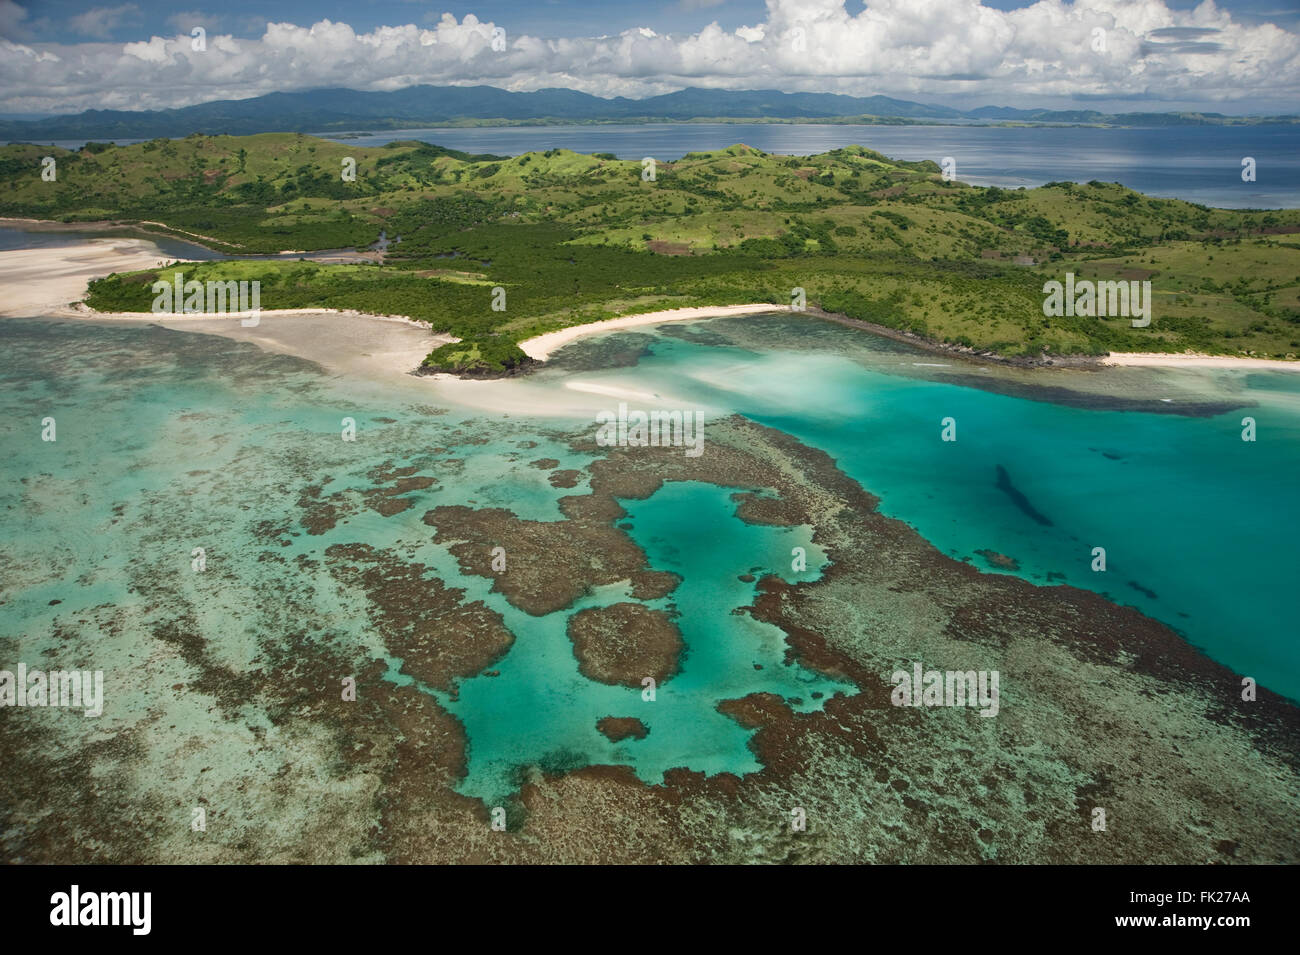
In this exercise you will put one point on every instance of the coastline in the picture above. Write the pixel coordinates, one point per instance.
(137, 230)
(41, 281)
(385, 348)
(51, 281)
(1187, 360)
(105, 225)
(82, 310)
(541, 347)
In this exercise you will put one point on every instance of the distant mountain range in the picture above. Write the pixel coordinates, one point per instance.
(342, 109)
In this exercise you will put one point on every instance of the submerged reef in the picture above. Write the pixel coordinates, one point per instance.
(619, 728)
(1101, 708)
(624, 643)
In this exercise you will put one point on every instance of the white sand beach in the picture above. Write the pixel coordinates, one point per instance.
(41, 281)
(343, 341)
(376, 347)
(529, 396)
(1166, 360)
(543, 346)
(50, 281)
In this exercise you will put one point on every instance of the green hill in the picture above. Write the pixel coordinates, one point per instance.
(573, 238)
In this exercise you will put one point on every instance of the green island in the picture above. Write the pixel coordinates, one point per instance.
(574, 238)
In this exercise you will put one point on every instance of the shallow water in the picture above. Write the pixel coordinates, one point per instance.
(13, 237)
(168, 441)
(540, 711)
(1197, 524)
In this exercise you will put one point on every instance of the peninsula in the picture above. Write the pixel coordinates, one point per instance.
(491, 251)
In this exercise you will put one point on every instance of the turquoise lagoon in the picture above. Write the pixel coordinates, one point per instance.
(168, 441)
(1198, 525)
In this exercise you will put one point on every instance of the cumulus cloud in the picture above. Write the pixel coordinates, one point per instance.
(186, 21)
(12, 18)
(947, 50)
(100, 22)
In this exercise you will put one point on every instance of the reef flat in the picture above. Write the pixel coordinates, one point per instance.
(1101, 707)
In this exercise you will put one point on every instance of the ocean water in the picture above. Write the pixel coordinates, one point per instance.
(167, 441)
(1197, 163)
(1195, 522)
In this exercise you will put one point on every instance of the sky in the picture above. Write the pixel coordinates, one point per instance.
(1234, 56)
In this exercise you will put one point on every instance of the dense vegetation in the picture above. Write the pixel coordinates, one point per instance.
(569, 238)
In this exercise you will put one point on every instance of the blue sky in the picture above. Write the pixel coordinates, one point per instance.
(50, 18)
(1236, 56)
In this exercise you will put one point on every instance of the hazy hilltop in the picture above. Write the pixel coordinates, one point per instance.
(574, 238)
(343, 109)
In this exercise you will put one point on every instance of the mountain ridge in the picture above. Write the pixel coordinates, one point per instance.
(341, 109)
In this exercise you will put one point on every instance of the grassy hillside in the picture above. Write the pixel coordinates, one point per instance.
(572, 238)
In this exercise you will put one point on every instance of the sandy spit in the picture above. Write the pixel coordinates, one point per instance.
(543, 346)
(1165, 360)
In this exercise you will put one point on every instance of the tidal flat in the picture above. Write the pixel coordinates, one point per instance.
(514, 680)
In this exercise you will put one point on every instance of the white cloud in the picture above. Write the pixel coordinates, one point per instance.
(11, 19)
(100, 22)
(186, 21)
(948, 50)
(18, 52)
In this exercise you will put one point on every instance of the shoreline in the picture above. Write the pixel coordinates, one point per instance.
(1189, 360)
(103, 225)
(83, 311)
(44, 281)
(51, 282)
(541, 347)
(164, 231)
(383, 348)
